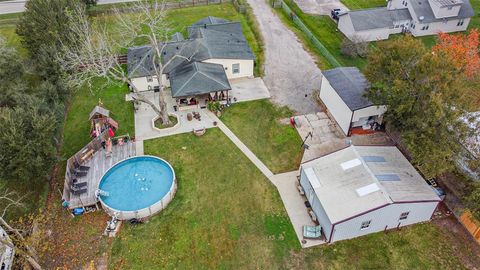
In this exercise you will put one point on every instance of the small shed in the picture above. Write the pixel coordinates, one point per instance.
(343, 94)
(99, 112)
(365, 189)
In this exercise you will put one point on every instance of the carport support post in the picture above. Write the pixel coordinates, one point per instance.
(306, 137)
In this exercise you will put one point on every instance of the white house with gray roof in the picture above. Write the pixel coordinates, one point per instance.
(215, 52)
(342, 92)
(365, 189)
(418, 17)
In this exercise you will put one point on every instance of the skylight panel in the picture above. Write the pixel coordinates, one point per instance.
(312, 177)
(367, 189)
(350, 164)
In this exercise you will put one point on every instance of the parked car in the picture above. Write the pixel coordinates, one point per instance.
(334, 13)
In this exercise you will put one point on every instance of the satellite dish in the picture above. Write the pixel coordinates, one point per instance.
(421, 18)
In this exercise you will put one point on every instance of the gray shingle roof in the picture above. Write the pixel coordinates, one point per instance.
(177, 36)
(445, 3)
(350, 84)
(224, 40)
(210, 20)
(198, 78)
(367, 19)
(423, 9)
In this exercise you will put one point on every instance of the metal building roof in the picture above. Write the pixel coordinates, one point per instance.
(346, 193)
(424, 12)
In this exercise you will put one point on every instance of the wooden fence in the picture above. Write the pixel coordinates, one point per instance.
(472, 225)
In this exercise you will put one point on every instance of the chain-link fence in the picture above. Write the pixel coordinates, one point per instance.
(318, 45)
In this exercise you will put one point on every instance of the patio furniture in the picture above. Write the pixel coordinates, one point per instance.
(189, 117)
(312, 232)
(83, 168)
(79, 191)
(199, 132)
(80, 185)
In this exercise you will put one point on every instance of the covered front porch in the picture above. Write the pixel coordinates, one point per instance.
(201, 101)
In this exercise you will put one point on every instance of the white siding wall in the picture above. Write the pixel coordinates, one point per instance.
(346, 27)
(436, 27)
(443, 12)
(387, 216)
(246, 67)
(367, 112)
(316, 205)
(335, 105)
(142, 84)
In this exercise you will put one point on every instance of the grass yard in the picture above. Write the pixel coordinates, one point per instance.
(325, 29)
(257, 125)
(77, 126)
(226, 215)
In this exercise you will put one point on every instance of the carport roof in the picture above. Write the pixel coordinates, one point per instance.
(350, 84)
(350, 182)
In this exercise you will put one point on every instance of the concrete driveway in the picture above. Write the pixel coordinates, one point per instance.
(320, 7)
(290, 72)
(247, 89)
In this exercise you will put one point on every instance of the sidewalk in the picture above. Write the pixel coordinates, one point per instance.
(259, 164)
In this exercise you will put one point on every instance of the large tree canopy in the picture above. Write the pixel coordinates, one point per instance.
(423, 93)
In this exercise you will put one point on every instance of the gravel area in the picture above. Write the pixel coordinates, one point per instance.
(290, 72)
(320, 7)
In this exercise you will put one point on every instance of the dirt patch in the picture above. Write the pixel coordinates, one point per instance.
(461, 240)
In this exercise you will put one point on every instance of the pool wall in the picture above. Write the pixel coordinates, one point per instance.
(145, 212)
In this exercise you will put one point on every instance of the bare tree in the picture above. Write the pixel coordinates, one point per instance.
(10, 199)
(354, 47)
(96, 54)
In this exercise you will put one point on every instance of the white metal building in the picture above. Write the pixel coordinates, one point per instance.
(342, 92)
(6, 253)
(365, 189)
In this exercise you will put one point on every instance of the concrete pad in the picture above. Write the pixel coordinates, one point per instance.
(286, 184)
(247, 89)
(320, 7)
(144, 116)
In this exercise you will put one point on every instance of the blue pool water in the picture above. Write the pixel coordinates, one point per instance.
(136, 183)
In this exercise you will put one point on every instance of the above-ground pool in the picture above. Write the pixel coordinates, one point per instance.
(137, 187)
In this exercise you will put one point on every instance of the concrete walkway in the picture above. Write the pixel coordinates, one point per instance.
(250, 155)
(286, 184)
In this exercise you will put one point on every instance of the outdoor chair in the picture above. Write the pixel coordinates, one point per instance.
(79, 191)
(312, 232)
(80, 185)
(83, 168)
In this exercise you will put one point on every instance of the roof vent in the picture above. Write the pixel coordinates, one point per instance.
(421, 18)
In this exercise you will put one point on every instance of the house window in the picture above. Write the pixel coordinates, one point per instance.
(460, 22)
(236, 68)
(365, 225)
(149, 87)
(425, 27)
(404, 215)
(449, 8)
(149, 79)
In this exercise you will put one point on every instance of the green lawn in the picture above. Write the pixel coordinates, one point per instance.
(256, 123)
(77, 126)
(361, 4)
(226, 215)
(325, 29)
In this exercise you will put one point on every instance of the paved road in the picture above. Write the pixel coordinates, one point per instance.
(16, 6)
(290, 72)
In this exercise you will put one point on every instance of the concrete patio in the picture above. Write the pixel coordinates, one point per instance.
(286, 184)
(247, 89)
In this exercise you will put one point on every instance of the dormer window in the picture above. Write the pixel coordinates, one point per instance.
(149, 79)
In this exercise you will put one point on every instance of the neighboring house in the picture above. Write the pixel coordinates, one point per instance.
(215, 52)
(418, 17)
(6, 253)
(365, 189)
(342, 92)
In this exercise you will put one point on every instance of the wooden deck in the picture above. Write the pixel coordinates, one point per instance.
(98, 164)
